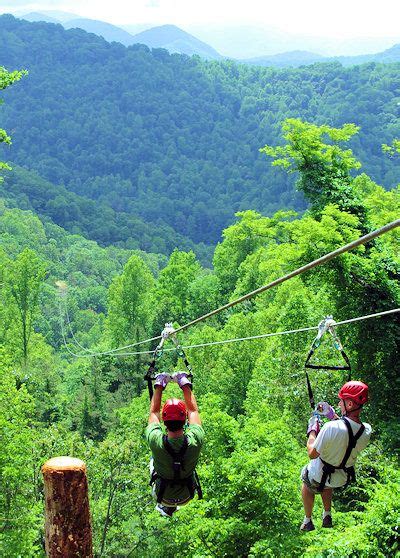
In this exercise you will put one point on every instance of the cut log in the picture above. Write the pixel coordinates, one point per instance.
(68, 528)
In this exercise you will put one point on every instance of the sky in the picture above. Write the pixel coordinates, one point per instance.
(341, 18)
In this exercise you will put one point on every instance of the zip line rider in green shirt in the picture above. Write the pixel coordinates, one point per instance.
(174, 455)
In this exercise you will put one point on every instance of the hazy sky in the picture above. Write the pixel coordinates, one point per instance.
(338, 18)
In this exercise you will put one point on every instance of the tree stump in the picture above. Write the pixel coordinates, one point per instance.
(68, 528)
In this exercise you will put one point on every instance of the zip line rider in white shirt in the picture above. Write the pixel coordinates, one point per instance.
(333, 450)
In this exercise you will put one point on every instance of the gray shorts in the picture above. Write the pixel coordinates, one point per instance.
(311, 484)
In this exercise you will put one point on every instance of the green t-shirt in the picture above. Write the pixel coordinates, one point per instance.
(163, 460)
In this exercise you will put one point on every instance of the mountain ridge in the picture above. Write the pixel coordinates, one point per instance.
(173, 141)
(176, 40)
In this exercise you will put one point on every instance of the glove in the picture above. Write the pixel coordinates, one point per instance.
(323, 408)
(181, 378)
(313, 425)
(162, 380)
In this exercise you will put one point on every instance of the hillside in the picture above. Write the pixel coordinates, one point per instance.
(95, 219)
(38, 16)
(173, 141)
(170, 37)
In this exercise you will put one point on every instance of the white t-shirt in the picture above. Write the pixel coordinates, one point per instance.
(331, 443)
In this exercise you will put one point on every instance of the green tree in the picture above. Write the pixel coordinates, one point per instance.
(19, 512)
(25, 278)
(173, 294)
(324, 167)
(130, 303)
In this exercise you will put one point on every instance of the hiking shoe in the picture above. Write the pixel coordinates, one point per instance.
(327, 521)
(165, 511)
(309, 526)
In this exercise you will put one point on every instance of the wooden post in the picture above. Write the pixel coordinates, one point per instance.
(68, 529)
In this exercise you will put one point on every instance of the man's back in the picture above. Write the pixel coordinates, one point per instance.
(162, 460)
(331, 443)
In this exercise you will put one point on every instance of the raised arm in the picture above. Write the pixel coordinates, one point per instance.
(191, 405)
(155, 404)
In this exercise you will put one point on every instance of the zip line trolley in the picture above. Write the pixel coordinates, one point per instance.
(326, 325)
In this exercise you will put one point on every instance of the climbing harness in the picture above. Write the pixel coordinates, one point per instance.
(326, 325)
(191, 482)
(167, 333)
(328, 469)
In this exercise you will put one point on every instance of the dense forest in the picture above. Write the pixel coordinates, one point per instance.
(166, 147)
(67, 300)
(62, 295)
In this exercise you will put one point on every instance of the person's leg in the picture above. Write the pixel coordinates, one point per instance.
(308, 502)
(326, 495)
(308, 498)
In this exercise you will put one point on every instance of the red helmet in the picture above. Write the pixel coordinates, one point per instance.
(356, 391)
(174, 409)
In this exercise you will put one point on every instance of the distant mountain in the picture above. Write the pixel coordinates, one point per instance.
(109, 32)
(175, 40)
(387, 56)
(170, 37)
(36, 16)
(294, 58)
(299, 58)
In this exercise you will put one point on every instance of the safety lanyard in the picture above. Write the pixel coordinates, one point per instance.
(167, 333)
(325, 325)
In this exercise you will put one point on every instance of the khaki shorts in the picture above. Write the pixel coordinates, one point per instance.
(311, 484)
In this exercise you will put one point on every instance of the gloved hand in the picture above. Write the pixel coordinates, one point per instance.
(162, 380)
(313, 425)
(323, 408)
(181, 378)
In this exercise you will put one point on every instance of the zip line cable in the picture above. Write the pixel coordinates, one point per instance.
(253, 337)
(70, 326)
(362, 240)
(327, 257)
(264, 335)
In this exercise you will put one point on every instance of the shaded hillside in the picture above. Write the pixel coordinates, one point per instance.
(95, 219)
(171, 140)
